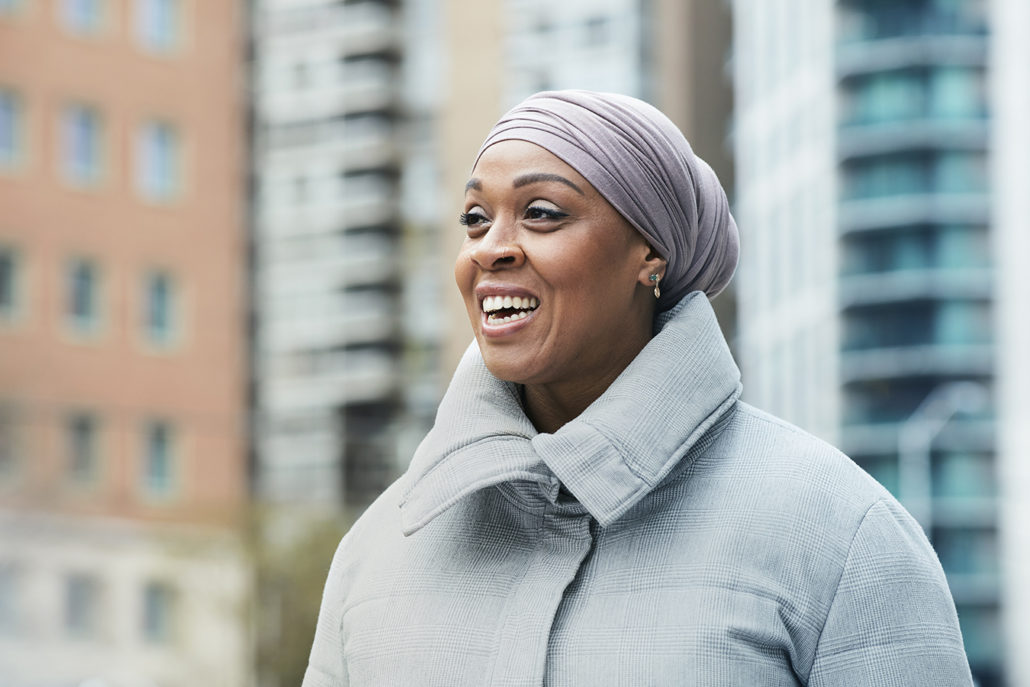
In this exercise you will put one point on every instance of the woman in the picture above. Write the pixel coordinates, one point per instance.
(594, 506)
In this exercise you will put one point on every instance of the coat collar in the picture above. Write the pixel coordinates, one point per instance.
(616, 452)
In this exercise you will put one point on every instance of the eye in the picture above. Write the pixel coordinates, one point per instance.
(536, 211)
(472, 218)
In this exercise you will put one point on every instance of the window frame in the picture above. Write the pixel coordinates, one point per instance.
(87, 628)
(172, 334)
(95, 469)
(14, 312)
(158, 629)
(159, 43)
(92, 326)
(92, 172)
(169, 486)
(93, 26)
(158, 174)
(15, 159)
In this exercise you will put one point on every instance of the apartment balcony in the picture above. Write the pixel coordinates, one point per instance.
(971, 589)
(334, 211)
(864, 138)
(877, 54)
(332, 264)
(890, 36)
(940, 283)
(364, 91)
(930, 360)
(909, 209)
(361, 27)
(340, 329)
(340, 378)
(863, 437)
(347, 145)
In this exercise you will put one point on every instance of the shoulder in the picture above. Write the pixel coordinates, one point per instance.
(375, 533)
(760, 456)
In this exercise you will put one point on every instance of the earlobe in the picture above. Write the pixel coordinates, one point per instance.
(653, 269)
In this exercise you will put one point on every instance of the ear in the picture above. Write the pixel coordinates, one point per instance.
(652, 264)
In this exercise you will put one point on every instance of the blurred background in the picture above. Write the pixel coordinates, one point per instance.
(227, 311)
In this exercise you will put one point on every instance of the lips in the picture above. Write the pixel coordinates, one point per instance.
(505, 308)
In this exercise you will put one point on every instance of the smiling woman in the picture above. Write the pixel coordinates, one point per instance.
(594, 505)
(543, 235)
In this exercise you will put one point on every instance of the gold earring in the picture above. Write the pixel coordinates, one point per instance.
(657, 292)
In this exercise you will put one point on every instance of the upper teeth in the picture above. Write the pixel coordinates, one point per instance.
(493, 303)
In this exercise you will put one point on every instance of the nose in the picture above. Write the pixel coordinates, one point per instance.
(498, 249)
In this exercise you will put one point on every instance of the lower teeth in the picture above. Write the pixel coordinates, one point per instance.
(494, 319)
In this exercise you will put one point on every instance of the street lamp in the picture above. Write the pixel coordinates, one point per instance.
(915, 440)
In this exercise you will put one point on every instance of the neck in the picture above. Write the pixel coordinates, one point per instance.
(550, 406)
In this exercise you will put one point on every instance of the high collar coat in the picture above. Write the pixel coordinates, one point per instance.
(669, 535)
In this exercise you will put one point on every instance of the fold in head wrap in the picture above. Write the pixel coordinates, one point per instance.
(640, 162)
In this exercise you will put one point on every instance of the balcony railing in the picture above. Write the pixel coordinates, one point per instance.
(895, 21)
(930, 282)
(916, 361)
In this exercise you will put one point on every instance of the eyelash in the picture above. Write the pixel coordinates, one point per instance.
(468, 219)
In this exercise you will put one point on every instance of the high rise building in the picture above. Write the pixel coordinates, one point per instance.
(343, 344)
(122, 387)
(869, 291)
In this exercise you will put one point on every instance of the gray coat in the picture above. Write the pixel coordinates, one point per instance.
(670, 535)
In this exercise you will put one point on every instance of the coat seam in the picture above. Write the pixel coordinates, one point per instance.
(836, 586)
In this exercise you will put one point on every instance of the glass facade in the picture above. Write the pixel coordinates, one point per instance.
(912, 140)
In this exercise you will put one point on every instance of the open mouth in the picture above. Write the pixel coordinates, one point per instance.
(501, 309)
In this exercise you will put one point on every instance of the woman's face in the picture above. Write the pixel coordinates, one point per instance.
(575, 271)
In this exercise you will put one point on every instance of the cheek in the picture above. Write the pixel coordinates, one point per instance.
(463, 272)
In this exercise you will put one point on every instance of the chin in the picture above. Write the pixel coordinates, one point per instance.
(506, 368)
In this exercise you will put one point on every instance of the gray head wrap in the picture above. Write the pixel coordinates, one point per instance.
(640, 162)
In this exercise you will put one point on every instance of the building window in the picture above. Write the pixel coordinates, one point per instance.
(159, 24)
(9, 595)
(158, 468)
(158, 161)
(597, 31)
(83, 296)
(82, 16)
(8, 443)
(9, 7)
(82, 433)
(82, 606)
(158, 613)
(10, 127)
(9, 283)
(159, 309)
(81, 144)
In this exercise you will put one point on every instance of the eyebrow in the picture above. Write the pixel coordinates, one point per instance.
(537, 177)
(527, 179)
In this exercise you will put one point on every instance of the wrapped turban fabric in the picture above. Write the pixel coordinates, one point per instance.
(640, 162)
